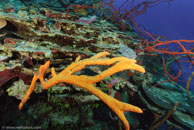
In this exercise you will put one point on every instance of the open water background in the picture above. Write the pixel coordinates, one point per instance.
(175, 21)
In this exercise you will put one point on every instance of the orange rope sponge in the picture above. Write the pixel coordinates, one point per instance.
(87, 82)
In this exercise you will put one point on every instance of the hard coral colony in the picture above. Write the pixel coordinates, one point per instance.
(87, 82)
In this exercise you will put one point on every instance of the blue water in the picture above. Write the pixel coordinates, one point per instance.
(174, 20)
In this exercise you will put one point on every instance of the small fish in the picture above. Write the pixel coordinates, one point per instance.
(87, 20)
(103, 21)
(9, 40)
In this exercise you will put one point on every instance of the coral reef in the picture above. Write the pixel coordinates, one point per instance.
(86, 82)
(34, 32)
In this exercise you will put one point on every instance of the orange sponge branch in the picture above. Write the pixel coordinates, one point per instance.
(87, 82)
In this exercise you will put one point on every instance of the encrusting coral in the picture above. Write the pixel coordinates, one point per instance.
(87, 82)
(3, 23)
